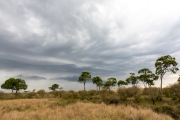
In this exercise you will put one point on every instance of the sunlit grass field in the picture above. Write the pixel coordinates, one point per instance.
(51, 109)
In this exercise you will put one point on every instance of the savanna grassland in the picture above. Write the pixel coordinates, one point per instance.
(52, 109)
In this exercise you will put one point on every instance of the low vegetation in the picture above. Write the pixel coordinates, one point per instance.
(49, 109)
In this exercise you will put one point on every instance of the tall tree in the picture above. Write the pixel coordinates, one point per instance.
(133, 79)
(84, 77)
(97, 80)
(110, 83)
(14, 84)
(121, 83)
(100, 84)
(147, 77)
(165, 64)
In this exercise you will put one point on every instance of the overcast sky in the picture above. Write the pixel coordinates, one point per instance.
(53, 41)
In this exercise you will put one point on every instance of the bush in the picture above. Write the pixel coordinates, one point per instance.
(153, 93)
(1, 95)
(123, 94)
(41, 91)
(57, 93)
(92, 92)
(67, 95)
(129, 92)
(132, 91)
(30, 94)
(111, 100)
(167, 109)
(167, 91)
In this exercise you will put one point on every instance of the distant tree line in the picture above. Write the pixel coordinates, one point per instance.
(163, 65)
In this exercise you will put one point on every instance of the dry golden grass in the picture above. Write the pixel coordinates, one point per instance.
(47, 109)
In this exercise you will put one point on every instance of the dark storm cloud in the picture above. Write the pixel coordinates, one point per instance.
(11, 65)
(34, 77)
(68, 78)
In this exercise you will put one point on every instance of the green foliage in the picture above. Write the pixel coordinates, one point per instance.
(121, 83)
(123, 95)
(133, 79)
(175, 91)
(41, 91)
(30, 95)
(165, 64)
(55, 87)
(111, 100)
(153, 93)
(168, 109)
(84, 77)
(147, 77)
(132, 91)
(98, 81)
(14, 84)
(110, 83)
(167, 92)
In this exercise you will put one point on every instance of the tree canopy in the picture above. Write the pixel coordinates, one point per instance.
(54, 87)
(14, 84)
(165, 64)
(133, 79)
(147, 77)
(84, 77)
(98, 81)
(121, 82)
(110, 82)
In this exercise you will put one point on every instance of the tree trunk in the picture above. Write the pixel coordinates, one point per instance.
(84, 86)
(97, 88)
(161, 88)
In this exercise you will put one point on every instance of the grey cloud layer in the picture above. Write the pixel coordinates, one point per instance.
(68, 37)
(31, 77)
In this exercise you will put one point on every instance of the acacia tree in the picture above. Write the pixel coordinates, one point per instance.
(14, 84)
(54, 87)
(121, 83)
(133, 79)
(147, 77)
(84, 77)
(110, 83)
(98, 81)
(165, 64)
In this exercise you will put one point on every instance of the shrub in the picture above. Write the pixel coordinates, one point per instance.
(153, 93)
(41, 91)
(30, 94)
(123, 94)
(57, 93)
(167, 91)
(67, 95)
(170, 110)
(111, 100)
(1, 95)
(132, 91)
(92, 92)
